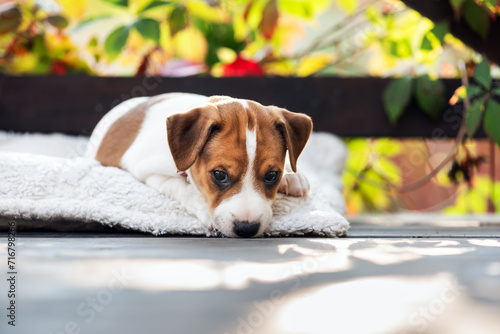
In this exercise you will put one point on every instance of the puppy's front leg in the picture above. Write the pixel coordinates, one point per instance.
(293, 184)
(177, 188)
(159, 172)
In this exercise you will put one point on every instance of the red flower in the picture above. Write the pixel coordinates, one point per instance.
(58, 67)
(242, 67)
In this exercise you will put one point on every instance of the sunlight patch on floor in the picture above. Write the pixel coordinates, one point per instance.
(387, 254)
(386, 303)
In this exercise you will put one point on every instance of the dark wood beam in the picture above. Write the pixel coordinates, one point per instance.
(441, 10)
(349, 107)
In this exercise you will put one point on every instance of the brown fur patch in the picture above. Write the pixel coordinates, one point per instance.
(122, 133)
(298, 128)
(218, 98)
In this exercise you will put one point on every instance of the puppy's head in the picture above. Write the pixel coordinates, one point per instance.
(235, 151)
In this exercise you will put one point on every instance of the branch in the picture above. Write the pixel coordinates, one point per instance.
(321, 40)
(317, 43)
(460, 137)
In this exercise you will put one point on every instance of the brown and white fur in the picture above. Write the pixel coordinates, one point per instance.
(223, 158)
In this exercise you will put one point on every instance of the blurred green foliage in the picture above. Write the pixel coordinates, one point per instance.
(369, 172)
(282, 37)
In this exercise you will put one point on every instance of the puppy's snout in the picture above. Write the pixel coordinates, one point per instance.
(246, 229)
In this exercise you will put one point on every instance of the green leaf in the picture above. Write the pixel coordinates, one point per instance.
(116, 41)
(148, 28)
(93, 42)
(461, 205)
(123, 3)
(496, 196)
(359, 153)
(483, 185)
(177, 20)
(386, 147)
(457, 5)
(426, 42)
(401, 48)
(202, 10)
(476, 201)
(217, 35)
(496, 91)
(482, 74)
(89, 21)
(57, 21)
(10, 19)
(396, 97)
(373, 15)
(473, 91)
(39, 47)
(388, 169)
(474, 115)
(435, 37)
(430, 96)
(491, 4)
(373, 193)
(154, 4)
(298, 8)
(477, 18)
(349, 6)
(492, 120)
(440, 30)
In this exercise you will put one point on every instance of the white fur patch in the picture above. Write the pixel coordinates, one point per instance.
(247, 186)
(244, 103)
(251, 147)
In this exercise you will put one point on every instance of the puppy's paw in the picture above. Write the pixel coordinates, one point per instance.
(294, 184)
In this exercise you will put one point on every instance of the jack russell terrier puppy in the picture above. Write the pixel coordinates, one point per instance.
(223, 158)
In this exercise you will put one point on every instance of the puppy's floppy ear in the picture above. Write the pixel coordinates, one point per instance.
(188, 132)
(298, 128)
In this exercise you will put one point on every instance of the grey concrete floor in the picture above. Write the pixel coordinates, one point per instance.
(137, 284)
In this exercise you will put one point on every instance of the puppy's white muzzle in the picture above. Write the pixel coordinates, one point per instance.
(243, 215)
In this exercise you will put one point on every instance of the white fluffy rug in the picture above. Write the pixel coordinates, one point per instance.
(44, 177)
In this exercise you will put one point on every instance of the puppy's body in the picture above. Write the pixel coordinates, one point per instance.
(231, 153)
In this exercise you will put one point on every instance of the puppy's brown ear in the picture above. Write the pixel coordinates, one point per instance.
(298, 128)
(188, 132)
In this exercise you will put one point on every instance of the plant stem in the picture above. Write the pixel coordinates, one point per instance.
(454, 151)
(321, 41)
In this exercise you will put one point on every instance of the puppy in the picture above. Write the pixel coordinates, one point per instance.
(223, 158)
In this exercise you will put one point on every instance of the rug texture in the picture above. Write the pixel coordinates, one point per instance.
(45, 177)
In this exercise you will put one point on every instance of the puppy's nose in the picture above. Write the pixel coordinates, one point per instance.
(246, 229)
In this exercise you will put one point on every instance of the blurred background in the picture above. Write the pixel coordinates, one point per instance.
(342, 38)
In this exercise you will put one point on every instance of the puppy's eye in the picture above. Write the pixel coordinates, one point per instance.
(220, 178)
(271, 177)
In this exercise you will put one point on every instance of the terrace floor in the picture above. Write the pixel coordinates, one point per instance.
(396, 278)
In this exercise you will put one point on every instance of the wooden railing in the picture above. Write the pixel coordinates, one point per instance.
(348, 107)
